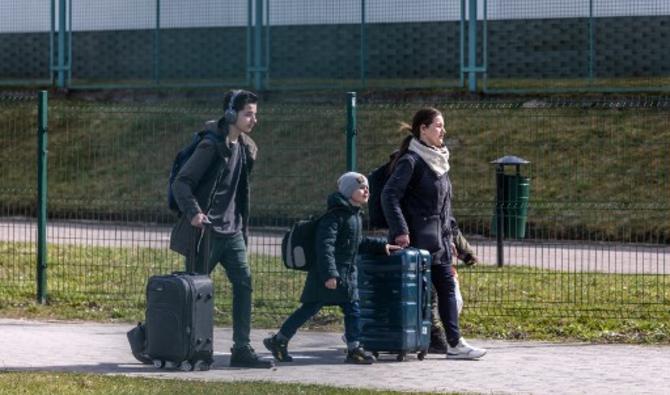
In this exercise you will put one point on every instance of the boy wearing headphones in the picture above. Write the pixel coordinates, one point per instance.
(213, 187)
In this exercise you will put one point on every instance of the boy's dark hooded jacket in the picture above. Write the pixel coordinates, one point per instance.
(193, 186)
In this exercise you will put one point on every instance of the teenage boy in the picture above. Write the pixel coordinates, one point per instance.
(213, 186)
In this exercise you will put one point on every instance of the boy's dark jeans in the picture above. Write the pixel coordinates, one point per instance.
(352, 319)
(231, 252)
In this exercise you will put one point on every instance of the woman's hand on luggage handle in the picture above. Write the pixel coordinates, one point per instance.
(392, 247)
(331, 283)
(402, 240)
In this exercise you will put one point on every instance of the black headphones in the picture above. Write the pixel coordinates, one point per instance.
(230, 115)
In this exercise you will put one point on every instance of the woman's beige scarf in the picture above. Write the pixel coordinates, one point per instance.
(436, 158)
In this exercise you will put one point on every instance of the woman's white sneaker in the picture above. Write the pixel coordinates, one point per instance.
(464, 351)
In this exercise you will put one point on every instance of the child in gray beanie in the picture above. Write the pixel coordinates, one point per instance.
(332, 279)
(351, 181)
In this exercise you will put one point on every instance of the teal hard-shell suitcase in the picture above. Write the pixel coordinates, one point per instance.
(395, 302)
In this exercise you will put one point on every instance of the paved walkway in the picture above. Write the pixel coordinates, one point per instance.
(510, 367)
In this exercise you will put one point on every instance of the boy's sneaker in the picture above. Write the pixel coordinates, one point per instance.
(245, 357)
(464, 351)
(359, 356)
(278, 348)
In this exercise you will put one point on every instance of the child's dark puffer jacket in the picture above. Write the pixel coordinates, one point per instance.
(339, 238)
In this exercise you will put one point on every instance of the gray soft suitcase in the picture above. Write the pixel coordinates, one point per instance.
(179, 320)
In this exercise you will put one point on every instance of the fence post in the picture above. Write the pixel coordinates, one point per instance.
(157, 43)
(472, 45)
(62, 29)
(591, 41)
(461, 32)
(258, 47)
(351, 131)
(42, 122)
(364, 46)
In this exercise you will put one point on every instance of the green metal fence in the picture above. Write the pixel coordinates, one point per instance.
(596, 241)
(574, 46)
(496, 46)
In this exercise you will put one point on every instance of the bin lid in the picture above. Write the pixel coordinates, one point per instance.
(510, 160)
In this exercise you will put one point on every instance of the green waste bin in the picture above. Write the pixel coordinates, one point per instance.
(512, 196)
(515, 206)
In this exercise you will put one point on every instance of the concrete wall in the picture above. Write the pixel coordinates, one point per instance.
(625, 46)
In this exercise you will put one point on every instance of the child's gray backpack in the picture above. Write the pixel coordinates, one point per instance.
(298, 247)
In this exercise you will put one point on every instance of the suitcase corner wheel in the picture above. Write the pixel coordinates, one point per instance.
(421, 355)
(185, 366)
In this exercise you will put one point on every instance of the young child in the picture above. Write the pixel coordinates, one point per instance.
(332, 279)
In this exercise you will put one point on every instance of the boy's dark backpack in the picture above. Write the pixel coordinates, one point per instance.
(182, 156)
(298, 247)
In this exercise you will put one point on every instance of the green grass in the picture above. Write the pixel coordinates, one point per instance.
(107, 284)
(14, 383)
(550, 85)
(597, 173)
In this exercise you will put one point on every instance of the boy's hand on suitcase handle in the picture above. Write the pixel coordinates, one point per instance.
(392, 247)
(331, 283)
(199, 220)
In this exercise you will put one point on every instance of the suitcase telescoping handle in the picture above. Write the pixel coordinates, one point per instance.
(205, 245)
(202, 247)
(425, 286)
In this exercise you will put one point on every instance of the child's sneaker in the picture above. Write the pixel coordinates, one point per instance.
(464, 351)
(359, 356)
(278, 348)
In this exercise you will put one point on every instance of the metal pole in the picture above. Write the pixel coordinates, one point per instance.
(267, 42)
(472, 45)
(351, 131)
(500, 171)
(462, 44)
(591, 41)
(157, 43)
(52, 34)
(62, 13)
(364, 46)
(250, 19)
(42, 118)
(485, 48)
(258, 46)
(69, 45)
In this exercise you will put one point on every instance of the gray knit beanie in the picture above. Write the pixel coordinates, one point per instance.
(350, 182)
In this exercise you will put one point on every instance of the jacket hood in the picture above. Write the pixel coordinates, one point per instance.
(337, 200)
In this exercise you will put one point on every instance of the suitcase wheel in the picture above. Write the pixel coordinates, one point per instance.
(401, 357)
(201, 366)
(159, 363)
(421, 355)
(185, 366)
(376, 354)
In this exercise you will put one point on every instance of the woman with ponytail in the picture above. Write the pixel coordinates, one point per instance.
(417, 206)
